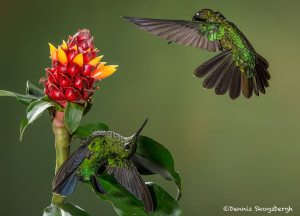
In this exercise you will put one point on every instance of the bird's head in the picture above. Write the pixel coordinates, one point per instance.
(131, 144)
(121, 147)
(207, 15)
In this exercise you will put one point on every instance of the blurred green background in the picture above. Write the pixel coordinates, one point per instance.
(229, 153)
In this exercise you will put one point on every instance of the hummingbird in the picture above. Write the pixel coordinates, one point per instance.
(238, 66)
(104, 151)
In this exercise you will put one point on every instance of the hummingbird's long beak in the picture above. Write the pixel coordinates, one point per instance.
(141, 128)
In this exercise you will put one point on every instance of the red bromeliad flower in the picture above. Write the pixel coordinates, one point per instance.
(75, 69)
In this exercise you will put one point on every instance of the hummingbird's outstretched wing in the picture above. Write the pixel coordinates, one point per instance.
(66, 178)
(70, 165)
(223, 74)
(67, 185)
(129, 178)
(180, 31)
(76, 158)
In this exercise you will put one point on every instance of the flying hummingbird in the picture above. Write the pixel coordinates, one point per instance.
(237, 67)
(103, 151)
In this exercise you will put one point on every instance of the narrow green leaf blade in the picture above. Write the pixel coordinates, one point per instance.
(126, 204)
(25, 99)
(73, 114)
(153, 158)
(34, 90)
(23, 125)
(86, 130)
(35, 110)
(66, 209)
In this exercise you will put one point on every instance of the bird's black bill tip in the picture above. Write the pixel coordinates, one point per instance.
(141, 128)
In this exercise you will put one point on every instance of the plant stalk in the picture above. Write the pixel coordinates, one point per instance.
(62, 146)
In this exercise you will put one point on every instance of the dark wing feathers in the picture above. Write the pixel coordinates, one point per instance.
(247, 86)
(73, 161)
(130, 179)
(213, 77)
(255, 87)
(97, 185)
(178, 31)
(221, 71)
(235, 84)
(211, 64)
(223, 84)
(223, 74)
(67, 185)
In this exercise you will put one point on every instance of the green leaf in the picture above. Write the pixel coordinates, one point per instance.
(153, 158)
(35, 110)
(25, 99)
(67, 209)
(73, 114)
(126, 204)
(34, 90)
(87, 108)
(86, 130)
(23, 125)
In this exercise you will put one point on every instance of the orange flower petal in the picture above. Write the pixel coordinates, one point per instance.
(75, 48)
(53, 52)
(79, 59)
(101, 64)
(64, 46)
(104, 72)
(95, 61)
(62, 57)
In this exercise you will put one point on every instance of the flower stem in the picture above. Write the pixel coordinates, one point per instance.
(62, 146)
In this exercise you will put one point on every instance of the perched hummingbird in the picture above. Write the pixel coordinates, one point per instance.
(237, 67)
(104, 151)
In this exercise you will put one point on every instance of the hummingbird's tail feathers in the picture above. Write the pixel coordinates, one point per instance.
(97, 185)
(257, 83)
(235, 84)
(130, 179)
(212, 64)
(224, 82)
(67, 185)
(255, 86)
(215, 74)
(263, 62)
(223, 74)
(71, 164)
(180, 31)
(261, 68)
(261, 75)
(247, 85)
(260, 82)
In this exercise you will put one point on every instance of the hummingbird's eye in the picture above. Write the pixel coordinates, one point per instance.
(127, 147)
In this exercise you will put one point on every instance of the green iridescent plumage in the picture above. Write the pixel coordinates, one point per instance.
(237, 68)
(103, 151)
